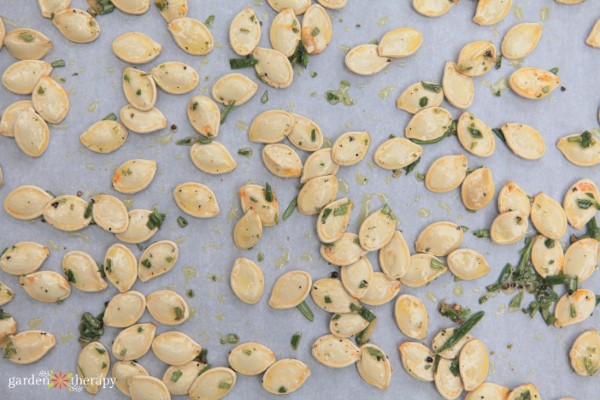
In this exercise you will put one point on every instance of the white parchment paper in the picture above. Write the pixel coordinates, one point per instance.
(538, 354)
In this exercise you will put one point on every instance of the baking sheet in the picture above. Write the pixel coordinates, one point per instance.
(538, 354)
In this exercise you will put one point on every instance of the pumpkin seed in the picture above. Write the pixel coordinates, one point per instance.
(172, 9)
(212, 158)
(191, 35)
(135, 7)
(357, 277)
(31, 133)
(574, 307)
(364, 59)
(110, 214)
(175, 348)
(93, 363)
(423, 268)
(400, 42)
(475, 136)
(27, 44)
(547, 256)
(120, 267)
(299, 6)
(316, 29)
(440, 238)
(50, 100)
(247, 281)
(397, 153)
(429, 124)
(76, 25)
(290, 290)
(411, 316)
(287, 375)
(23, 76)
(67, 213)
(179, 378)
(458, 88)
(488, 390)
(133, 342)
(578, 203)
(142, 121)
(83, 272)
(333, 4)
(281, 160)
(248, 230)
(268, 210)
(234, 89)
(46, 286)
(330, 295)
(473, 364)
(27, 202)
(245, 32)
(446, 173)
(316, 194)
(440, 339)
(347, 325)
(581, 258)
(394, 257)
(139, 89)
(10, 116)
(284, 33)
(476, 58)
(490, 12)
(122, 370)
(250, 358)
(381, 290)
(168, 308)
(104, 137)
(204, 115)
(524, 141)
(509, 227)
(305, 135)
(213, 384)
(448, 385)
(125, 309)
(157, 259)
(134, 176)
(49, 7)
(136, 48)
(477, 189)
(8, 327)
(593, 38)
(548, 217)
(273, 67)
(533, 83)
(6, 294)
(344, 251)
(271, 126)
(467, 264)
(334, 219)
(584, 356)
(416, 97)
(318, 164)
(23, 258)
(29, 346)
(432, 8)
(417, 360)
(147, 387)
(196, 200)
(175, 77)
(377, 229)
(521, 40)
(335, 352)
(513, 198)
(350, 148)
(524, 391)
(579, 152)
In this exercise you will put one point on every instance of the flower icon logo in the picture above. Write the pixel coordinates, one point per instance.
(60, 380)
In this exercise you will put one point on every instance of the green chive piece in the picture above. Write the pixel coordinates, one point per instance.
(481, 233)
(455, 312)
(265, 97)
(155, 220)
(423, 101)
(230, 338)
(209, 21)
(498, 132)
(226, 112)
(58, 63)
(461, 331)
(432, 87)
(244, 62)
(182, 222)
(306, 311)
(110, 117)
(268, 192)
(290, 208)
(296, 340)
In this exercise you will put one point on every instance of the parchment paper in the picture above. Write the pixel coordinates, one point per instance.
(539, 353)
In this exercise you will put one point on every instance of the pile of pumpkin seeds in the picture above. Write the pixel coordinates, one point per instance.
(456, 361)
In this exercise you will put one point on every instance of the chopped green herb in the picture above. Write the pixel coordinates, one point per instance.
(226, 112)
(375, 353)
(244, 62)
(408, 169)
(179, 314)
(481, 233)
(58, 64)
(313, 135)
(230, 338)
(190, 293)
(296, 340)
(432, 87)
(4, 314)
(26, 37)
(555, 70)
(342, 209)
(451, 131)
(265, 97)
(498, 132)
(224, 385)
(41, 90)
(549, 243)
(161, 4)
(455, 312)
(146, 263)
(461, 331)
(306, 311)
(454, 367)
(327, 300)
(290, 208)
(476, 133)
(268, 192)
(436, 264)
(209, 21)
(110, 117)
(387, 211)
(282, 389)
(315, 31)
(71, 276)
(300, 55)
(590, 368)
(423, 101)
(245, 152)
(88, 210)
(90, 328)
(498, 62)
(176, 375)
(139, 92)
(182, 222)
(155, 220)
(260, 257)
(99, 350)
